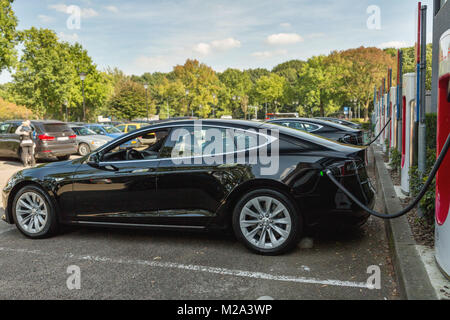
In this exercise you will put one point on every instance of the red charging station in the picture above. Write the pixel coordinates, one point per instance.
(443, 175)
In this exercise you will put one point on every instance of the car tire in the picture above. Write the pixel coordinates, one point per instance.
(277, 218)
(84, 149)
(63, 158)
(43, 222)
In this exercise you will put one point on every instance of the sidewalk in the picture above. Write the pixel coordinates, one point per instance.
(416, 269)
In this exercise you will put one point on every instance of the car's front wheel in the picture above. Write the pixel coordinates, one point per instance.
(267, 222)
(34, 213)
(84, 149)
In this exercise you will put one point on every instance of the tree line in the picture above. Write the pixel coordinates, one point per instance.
(45, 79)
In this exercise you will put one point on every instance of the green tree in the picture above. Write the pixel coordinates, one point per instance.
(270, 89)
(363, 69)
(201, 83)
(234, 97)
(8, 35)
(128, 101)
(43, 74)
(320, 86)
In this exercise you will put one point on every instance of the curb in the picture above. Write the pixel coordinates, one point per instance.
(412, 277)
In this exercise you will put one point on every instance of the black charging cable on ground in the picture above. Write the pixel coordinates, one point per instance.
(366, 145)
(410, 206)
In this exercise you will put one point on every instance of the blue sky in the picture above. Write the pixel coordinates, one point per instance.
(140, 36)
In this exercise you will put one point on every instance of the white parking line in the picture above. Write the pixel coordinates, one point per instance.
(197, 268)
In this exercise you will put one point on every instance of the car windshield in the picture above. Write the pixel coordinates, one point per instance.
(111, 129)
(83, 131)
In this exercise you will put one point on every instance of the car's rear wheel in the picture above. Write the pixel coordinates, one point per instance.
(64, 158)
(267, 222)
(84, 149)
(34, 213)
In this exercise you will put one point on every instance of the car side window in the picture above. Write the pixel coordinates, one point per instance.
(4, 128)
(132, 128)
(13, 128)
(190, 142)
(97, 130)
(150, 150)
(310, 127)
(296, 125)
(121, 128)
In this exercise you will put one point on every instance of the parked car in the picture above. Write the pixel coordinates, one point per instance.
(88, 140)
(343, 122)
(324, 128)
(53, 139)
(130, 127)
(112, 132)
(171, 186)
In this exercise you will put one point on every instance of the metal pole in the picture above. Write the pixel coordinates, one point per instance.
(422, 148)
(400, 102)
(168, 109)
(146, 104)
(84, 102)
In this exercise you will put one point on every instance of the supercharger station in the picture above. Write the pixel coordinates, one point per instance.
(393, 115)
(409, 98)
(443, 175)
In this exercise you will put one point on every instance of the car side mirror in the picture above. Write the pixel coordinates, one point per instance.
(94, 160)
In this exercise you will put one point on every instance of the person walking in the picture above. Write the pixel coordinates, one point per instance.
(27, 145)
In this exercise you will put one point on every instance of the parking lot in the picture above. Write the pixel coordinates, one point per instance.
(124, 264)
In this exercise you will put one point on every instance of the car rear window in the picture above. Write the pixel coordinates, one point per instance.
(56, 127)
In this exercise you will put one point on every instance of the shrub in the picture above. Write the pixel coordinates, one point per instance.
(396, 159)
(10, 111)
(427, 204)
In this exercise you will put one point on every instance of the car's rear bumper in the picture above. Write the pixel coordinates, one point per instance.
(57, 151)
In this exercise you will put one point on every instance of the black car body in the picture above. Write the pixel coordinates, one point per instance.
(324, 128)
(53, 139)
(118, 188)
(342, 122)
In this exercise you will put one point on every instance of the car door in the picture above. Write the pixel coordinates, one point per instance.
(13, 144)
(116, 191)
(190, 190)
(4, 129)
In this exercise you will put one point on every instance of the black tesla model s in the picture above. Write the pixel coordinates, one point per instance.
(324, 128)
(263, 181)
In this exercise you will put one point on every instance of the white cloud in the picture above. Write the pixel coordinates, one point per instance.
(285, 25)
(219, 45)
(44, 18)
(202, 48)
(85, 12)
(394, 44)
(112, 9)
(226, 44)
(284, 38)
(269, 54)
(72, 38)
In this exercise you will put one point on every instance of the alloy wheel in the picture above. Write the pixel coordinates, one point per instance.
(31, 212)
(265, 222)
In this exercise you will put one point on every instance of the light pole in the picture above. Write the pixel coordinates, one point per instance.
(146, 101)
(67, 111)
(187, 102)
(83, 77)
(214, 105)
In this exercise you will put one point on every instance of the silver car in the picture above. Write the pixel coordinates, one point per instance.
(88, 140)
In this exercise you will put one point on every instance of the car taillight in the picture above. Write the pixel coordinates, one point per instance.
(73, 137)
(44, 137)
